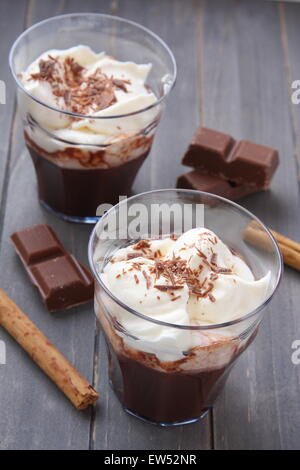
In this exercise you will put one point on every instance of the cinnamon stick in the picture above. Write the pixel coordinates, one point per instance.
(286, 241)
(45, 354)
(257, 237)
(289, 248)
(290, 256)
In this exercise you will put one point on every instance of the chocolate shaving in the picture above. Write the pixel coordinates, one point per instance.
(47, 70)
(221, 270)
(134, 255)
(142, 244)
(213, 259)
(201, 254)
(73, 72)
(210, 287)
(137, 265)
(121, 84)
(165, 288)
(148, 279)
(157, 254)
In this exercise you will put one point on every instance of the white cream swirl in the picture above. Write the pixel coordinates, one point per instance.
(88, 132)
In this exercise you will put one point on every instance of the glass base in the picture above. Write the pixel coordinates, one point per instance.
(165, 425)
(70, 218)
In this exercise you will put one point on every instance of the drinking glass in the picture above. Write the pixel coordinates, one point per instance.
(162, 382)
(74, 176)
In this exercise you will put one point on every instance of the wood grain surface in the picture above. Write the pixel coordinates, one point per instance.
(236, 61)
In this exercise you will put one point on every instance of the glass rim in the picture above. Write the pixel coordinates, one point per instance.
(102, 15)
(173, 325)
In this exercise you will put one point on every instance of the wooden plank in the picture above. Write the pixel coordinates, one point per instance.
(42, 418)
(61, 7)
(245, 94)
(113, 428)
(10, 26)
(289, 15)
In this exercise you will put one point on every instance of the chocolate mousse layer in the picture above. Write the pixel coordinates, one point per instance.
(78, 192)
(166, 396)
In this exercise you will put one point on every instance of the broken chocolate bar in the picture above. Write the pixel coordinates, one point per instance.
(217, 154)
(61, 280)
(213, 184)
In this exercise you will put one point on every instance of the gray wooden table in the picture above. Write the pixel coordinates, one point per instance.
(236, 60)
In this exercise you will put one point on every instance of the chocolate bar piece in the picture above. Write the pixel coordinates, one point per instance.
(217, 154)
(214, 184)
(61, 280)
(208, 149)
(253, 163)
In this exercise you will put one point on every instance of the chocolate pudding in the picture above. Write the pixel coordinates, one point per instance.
(167, 396)
(93, 131)
(169, 360)
(78, 192)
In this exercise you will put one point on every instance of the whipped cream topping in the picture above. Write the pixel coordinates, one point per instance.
(81, 81)
(192, 280)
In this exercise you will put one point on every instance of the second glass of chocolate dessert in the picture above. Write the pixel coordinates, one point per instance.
(92, 89)
(182, 278)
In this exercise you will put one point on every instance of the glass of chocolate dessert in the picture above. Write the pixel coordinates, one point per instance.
(91, 91)
(181, 281)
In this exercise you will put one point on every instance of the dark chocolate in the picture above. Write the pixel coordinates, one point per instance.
(78, 192)
(253, 163)
(61, 280)
(209, 149)
(217, 154)
(213, 184)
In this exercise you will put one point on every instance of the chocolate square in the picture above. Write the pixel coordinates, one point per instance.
(214, 184)
(62, 281)
(36, 243)
(209, 150)
(253, 163)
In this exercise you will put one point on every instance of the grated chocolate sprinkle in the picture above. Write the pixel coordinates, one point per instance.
(148, 279)
(134, 255)
(165, 288)
(82, 94)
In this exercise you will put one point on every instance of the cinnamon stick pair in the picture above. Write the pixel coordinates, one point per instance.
(45, 354)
